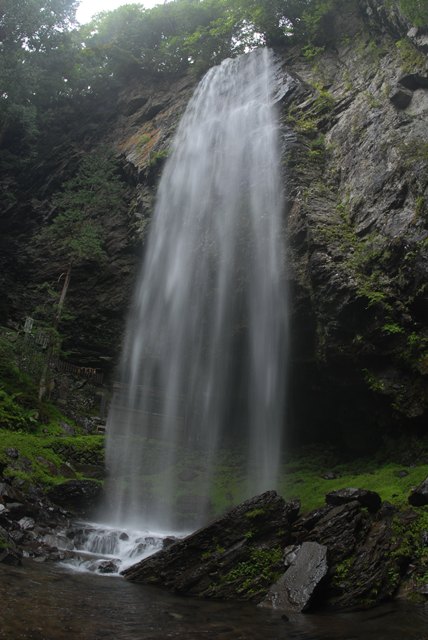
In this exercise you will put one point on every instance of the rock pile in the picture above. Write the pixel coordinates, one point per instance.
(349, 553)
(31, 522)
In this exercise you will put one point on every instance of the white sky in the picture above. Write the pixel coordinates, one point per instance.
(88, 8)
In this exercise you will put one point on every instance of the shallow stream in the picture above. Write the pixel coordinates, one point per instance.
(50, 602)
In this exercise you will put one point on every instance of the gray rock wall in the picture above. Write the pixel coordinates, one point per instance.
(358, 227)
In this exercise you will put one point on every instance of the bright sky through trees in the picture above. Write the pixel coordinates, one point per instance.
(88, 8)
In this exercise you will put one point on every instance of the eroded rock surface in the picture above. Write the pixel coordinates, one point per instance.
(337, 556)
(294, 590)
(369, 499)
(237, 556)
(28, 522)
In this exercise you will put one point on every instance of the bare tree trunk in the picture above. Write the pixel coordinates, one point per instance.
(63, 294)
(44, 377)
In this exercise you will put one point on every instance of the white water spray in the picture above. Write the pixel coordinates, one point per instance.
(203, 364)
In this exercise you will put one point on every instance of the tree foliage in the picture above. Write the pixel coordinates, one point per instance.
(75, 233)
(33, 35)
(49, 65)
(416, 11)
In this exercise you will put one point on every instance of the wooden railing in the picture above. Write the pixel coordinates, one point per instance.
(94, 375)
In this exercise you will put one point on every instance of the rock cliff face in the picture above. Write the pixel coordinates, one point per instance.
(358, 224)
(355, 172)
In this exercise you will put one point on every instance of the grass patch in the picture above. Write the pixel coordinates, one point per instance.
(303, 478)
(36, 463)
(41, 459)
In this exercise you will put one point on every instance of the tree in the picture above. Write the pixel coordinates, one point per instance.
(31, 31)
(75, 235)
(35, 58)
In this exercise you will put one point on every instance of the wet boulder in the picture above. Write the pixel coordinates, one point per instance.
(339, 528)
(10, 555)
(369, 499)
(76, 495)
(106, 566)
(419, 496)
(239, 556)
(362, 571)
(296, 587)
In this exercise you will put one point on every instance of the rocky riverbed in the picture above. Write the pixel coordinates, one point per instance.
(354, 552)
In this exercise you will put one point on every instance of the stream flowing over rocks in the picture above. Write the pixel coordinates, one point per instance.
(354, 552)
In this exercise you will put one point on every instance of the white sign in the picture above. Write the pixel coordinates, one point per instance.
(28, 324)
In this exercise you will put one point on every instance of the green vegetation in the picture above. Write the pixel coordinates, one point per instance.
(307, 121)
(342, 570)
(310, 51)
(20, 407)
(420, 206)
(392, 328)
(372, 381)
(156, 159)
(409, 530)
(51, 67)
(261, 569)
(303, 474)
(411, 57)
(364, 258)
(42, 460)
(416, 11)
(33, 447)
(392, 472)
(74, 235)
(255, 513)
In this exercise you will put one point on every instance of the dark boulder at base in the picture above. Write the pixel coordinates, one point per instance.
(76, 495)
(366, 498)
(294, 590)
(363, 571)
(9, 553)
(237, 556)
(106, 566)
(10, 556)
(419, 496)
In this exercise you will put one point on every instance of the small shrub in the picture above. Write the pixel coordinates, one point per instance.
(392, 328)
(411, 58)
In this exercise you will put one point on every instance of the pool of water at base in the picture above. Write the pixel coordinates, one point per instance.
(49, 602)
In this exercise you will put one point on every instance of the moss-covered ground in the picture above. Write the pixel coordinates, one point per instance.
(392, 473)
(34, 445)
(44, 460)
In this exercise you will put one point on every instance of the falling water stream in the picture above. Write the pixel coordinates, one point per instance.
(203, 365)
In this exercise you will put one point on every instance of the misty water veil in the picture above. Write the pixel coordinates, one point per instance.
(203, 366)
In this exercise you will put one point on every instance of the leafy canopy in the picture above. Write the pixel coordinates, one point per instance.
(75, 234)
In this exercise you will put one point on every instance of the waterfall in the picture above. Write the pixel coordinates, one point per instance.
(203, 364)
